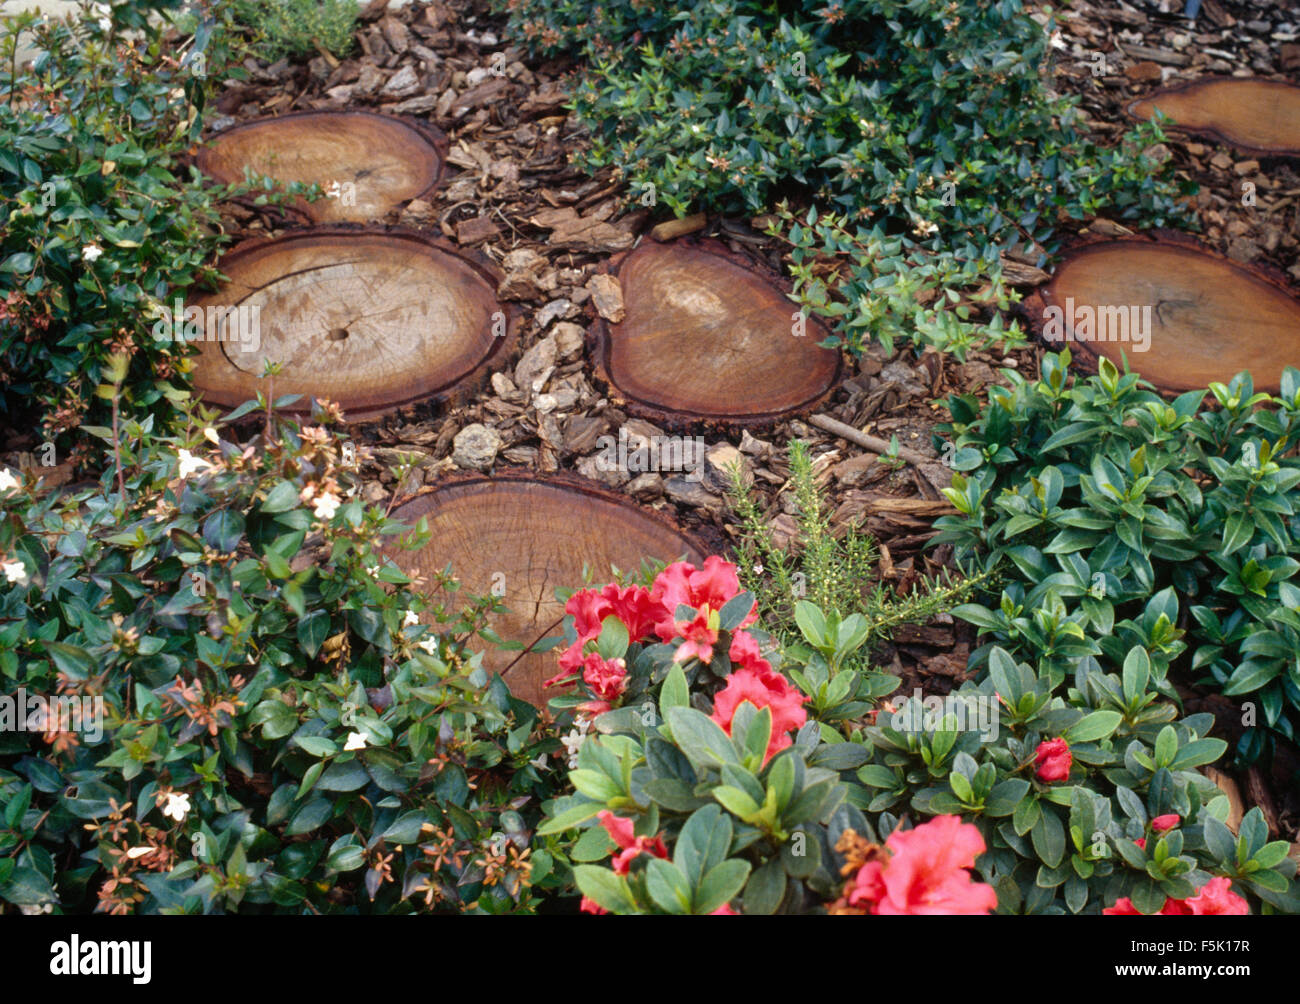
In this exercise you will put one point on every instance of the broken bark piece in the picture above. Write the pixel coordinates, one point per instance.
(705, 337)
(367, 164)
(369, 318)
(1183, 316)
(1257, 116)
(522, 537)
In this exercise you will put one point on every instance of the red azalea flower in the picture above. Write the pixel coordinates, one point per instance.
(620, 831)
(705, 590)
(591, 906)
(725, 910)
(1053, 759)
(926, 872)
(607, 678)
(636, 608)
(1141, 842)
(1217, 898)
(762, 689)
(745, 654)
(1166, 822)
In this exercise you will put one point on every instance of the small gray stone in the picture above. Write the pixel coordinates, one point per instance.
(535, 367)
(475, 447)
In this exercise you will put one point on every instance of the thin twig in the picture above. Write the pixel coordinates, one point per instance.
(872, 443)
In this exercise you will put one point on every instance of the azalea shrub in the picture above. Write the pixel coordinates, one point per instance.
(1114, 517)
(710, 776)
(220, 692)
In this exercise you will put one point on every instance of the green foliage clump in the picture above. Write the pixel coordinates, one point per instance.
(1110, 510)
(928, 123)
(248, 727)
(294, 28)
(98, 221)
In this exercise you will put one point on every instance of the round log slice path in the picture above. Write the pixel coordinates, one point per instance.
(704, 337)
(528, 536)
(1206, 317)
(1261, 117)
(376, 161)
(372, 319)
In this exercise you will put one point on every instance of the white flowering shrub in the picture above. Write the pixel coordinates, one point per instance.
(219, 692)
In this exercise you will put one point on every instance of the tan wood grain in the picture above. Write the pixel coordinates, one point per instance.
(529, 537)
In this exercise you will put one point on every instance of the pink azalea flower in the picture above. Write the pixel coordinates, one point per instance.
(763, 689)
(926, 872)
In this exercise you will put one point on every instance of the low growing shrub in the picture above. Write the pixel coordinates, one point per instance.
(1115, 516)
(268, 716)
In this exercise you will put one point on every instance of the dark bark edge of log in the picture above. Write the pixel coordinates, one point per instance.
(1083, 358)
(293, 212)
(1210, 132)
(503, 353)
(599, 344)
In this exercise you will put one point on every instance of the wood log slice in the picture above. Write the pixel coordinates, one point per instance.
(377, 162)
(371, 319)
(1261, 117)
(525, 536)
(1202, 317)
(705, 337)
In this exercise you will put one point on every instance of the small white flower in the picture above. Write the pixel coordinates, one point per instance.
(410, 619)
(191, 463)
(758, 569)
(177, 807)
(574, 740)
(7, 480)
(210, 434)
(326, 506)
(16, 571)
(1058, 42)
(139, 852)
(430, 645)
(540, 762)
(356, 741)
(36, 911)
(90, 252)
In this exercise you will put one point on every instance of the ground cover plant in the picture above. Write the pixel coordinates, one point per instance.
(923, 130)
(1114, 515)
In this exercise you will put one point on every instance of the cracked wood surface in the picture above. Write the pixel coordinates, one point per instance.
(528, 536)
(370, 319)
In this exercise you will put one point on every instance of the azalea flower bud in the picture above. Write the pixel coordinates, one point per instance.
(1053, 759)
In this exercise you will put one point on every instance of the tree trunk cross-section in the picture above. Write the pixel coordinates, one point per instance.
(1200, 317)
(521, 538)
(366, 163)
(370, 319)
(706, 338)
(1258, 116)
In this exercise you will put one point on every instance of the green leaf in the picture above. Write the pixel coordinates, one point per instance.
(605, 888)
(1092, 727)
(282, 497)
(699, 737)
(1048, 836)
(674, 693)
(613, 640)
(721, 884)
(309, 817)
(765, 889)
(668, 887)
(703, 843)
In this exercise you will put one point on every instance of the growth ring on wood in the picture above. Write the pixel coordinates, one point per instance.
(521, 537)
(1202, 317)
(367, 163)
(705, 337)
(371, 319)
(1258, 116)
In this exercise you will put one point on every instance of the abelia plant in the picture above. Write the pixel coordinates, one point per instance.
(272, 719)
